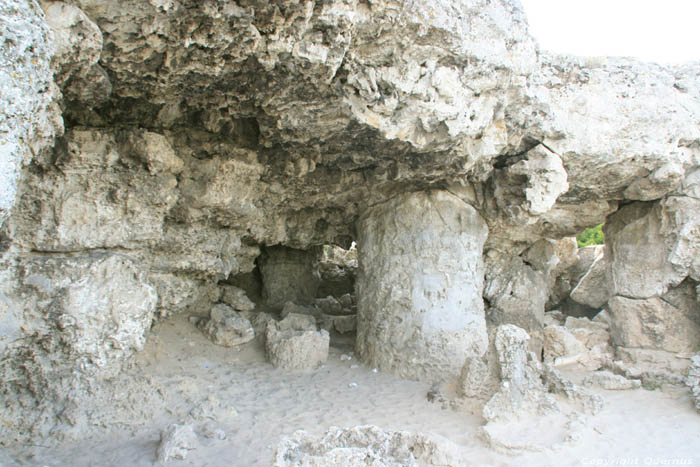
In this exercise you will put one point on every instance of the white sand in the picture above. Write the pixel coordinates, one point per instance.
(637, 427)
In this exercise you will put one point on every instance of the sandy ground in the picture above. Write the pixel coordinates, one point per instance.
(257, 405)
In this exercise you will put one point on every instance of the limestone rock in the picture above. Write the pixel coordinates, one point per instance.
(298, 322)
(664, 323)
(175, 443)
(590, 332)
(77, 50)
(293, 308)
(655, 229)
(226, 327)
(693, 380)
(29, 116)
(521, 391)
(341, 323)
(546, 180)
(653, 367)
(101, 306)
(561, 347)
(517, 294)
(592, 288)
(329, 305)
(291, 345)
(236, 298)
(288, 275)
(611, 381)
(420, 307)
(366, 445)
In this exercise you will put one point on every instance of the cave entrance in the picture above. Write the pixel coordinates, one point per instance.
(319, 282)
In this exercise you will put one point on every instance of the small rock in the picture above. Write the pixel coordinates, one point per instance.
(236, 298)
(608, 380)
(329, 305)
(352, 385)
(226, 327)
(345, 357)
(175, 442)
(298, 348)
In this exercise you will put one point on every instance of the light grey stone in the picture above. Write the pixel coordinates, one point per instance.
(420, 308)
(366, 445)
(175, 443)
(611, 381)
(226, 327)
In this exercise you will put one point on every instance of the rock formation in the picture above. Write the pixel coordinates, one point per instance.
(154, 153)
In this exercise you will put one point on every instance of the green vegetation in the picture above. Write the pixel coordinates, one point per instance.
(591, 236)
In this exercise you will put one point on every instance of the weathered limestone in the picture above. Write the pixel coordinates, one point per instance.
(29, 116)
(226, 327)
(592, 289)
(202, 134)
(693, 380)
(175, 443)
(516, 293)
(77, 49)
(236, 298)
(670, 322)
(366, 445)
(611, 381)
(420, 311)
(294, 343)
(521, 391)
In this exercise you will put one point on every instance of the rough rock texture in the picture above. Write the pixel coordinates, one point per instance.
(236, 298)
(693, 380)
(521, 391)
(175, 442)
(226, 327)
(29, 116)
(608, 380)
(592, 288)
(420, 311)
(367, 445)
(294, 343)
(670, 322)
(517, 293)
(526, 399)
(203, 138)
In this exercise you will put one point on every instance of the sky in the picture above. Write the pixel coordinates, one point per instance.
(664, 31)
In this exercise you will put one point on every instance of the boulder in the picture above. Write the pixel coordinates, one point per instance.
(292, 345)
(226, 327)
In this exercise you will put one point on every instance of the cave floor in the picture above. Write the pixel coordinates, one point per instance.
(255, 405)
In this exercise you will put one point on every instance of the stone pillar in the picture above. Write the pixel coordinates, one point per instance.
(419, 286)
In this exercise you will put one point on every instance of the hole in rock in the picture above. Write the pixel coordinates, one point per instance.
(319, 282)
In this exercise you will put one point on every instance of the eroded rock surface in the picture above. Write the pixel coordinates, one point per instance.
(209, 141)
(420, 311)
(367, 445)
